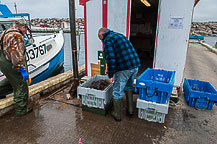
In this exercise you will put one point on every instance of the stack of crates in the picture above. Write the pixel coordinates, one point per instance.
(94, 98)
(155, 88)
(199, 94)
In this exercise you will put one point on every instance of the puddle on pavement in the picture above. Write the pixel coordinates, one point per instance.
(62, 123)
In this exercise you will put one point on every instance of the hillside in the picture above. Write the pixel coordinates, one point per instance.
(204, 28)
(55, 22)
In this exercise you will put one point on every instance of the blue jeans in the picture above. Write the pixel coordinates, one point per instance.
(123, 81)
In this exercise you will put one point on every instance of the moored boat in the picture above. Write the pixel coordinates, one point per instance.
(45, 56)
(197, 37)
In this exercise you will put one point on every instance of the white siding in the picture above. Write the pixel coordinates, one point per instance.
(117, 15)
(94, 22)
(172, 43)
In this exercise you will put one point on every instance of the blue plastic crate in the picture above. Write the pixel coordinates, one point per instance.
(199, 94)
(155, 85)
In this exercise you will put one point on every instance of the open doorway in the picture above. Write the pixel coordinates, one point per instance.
(143, 31)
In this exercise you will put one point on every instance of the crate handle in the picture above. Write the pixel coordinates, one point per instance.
(85, 100)
(206, 103)
(142, 84)
(155, 91)
(151, 117)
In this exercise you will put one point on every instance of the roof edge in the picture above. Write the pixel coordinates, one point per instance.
(82, 2)
(195, 2)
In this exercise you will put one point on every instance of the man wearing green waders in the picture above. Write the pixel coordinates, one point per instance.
(12, 65)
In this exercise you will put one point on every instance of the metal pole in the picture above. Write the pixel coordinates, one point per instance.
(73, 90)
(15, 5)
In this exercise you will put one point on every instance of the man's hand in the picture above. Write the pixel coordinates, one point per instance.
(24, 73)
(111, 80)
(106, 71)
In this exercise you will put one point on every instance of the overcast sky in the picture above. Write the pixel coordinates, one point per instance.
(206, 10)
(44, 8)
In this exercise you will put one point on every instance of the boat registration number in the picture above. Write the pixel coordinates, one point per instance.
(34, 52)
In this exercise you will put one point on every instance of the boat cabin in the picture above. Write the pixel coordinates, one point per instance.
(7, 23)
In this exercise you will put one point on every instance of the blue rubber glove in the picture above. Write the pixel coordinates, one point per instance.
(24, 73)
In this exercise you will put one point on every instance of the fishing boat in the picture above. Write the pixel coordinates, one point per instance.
(197, 37)
(45, 56)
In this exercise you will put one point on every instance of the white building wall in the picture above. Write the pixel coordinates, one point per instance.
(172, 41)
(117, 15)
(94, 22)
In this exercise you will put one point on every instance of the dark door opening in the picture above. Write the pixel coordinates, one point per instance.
(143, 31)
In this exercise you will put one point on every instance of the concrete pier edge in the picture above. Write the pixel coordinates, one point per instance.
(42, 88)
(209, 47)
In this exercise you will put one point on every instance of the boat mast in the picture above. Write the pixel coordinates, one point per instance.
(15, 6)
(73, 90)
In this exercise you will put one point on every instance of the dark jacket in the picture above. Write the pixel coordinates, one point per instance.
(119, 52)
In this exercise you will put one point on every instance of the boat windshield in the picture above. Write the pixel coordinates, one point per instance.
(6, 25)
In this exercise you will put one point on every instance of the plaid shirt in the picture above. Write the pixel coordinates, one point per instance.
(119, 53)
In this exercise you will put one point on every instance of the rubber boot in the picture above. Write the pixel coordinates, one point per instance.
(116, 113)
(25, 112)
(129, 97)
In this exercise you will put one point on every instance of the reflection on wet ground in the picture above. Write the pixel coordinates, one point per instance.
(191, 125)
(62, 123)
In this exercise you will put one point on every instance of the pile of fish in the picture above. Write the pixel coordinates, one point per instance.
(99, 85)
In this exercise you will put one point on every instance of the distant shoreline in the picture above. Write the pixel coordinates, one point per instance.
(197, 28)
(204, 28)
(52, 30)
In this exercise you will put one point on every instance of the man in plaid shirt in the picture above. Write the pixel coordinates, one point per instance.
(122, 67)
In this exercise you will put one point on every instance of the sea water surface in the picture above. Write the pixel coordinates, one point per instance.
(210, 40)
(68, 64)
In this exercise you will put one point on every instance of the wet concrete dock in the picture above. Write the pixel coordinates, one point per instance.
(63, 123)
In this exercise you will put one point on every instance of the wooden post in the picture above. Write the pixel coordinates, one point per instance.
(73, 90)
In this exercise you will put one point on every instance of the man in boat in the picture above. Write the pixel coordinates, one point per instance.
(12, 65)
(122, 66)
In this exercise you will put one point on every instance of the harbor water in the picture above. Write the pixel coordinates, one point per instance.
(210, 40)
(68, 64)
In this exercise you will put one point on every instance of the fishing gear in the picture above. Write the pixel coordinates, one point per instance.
(29, 35)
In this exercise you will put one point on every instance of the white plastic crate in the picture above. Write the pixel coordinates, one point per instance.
(93, 97)
(152, 111)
